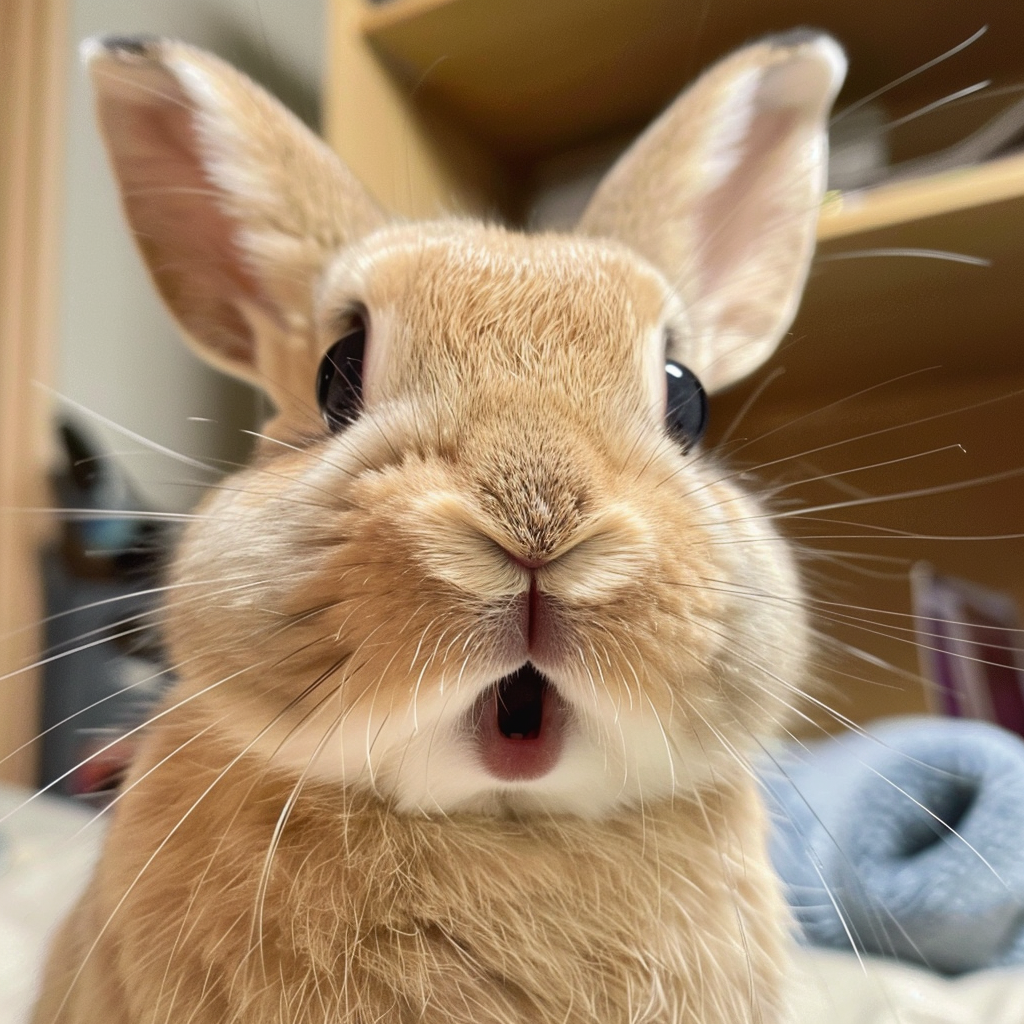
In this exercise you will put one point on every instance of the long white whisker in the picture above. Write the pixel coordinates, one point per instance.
(871, 96)
(125, 432)
(906, 251)
(131, 732)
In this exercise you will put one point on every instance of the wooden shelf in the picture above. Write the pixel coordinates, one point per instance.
(531, 77)
(907, 201)
(875, 310)
(519, 80)
(503, 72)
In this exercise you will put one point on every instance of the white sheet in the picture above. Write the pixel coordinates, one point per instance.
(834, 988)
(44, 862)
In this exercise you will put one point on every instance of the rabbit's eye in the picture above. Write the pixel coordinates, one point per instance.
(339, 384)
(686, 414)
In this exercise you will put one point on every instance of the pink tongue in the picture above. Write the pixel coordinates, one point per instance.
(520, 727)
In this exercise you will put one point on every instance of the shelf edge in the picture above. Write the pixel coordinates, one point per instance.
(851, 213)
(379, 17)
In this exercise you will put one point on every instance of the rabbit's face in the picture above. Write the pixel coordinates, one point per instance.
(504, 584)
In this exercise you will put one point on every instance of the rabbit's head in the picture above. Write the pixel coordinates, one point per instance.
(481, 561)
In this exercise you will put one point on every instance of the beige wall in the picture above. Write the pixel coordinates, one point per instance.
(118, 351)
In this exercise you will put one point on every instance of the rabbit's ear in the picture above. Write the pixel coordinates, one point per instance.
(234, 203)
(722, 194)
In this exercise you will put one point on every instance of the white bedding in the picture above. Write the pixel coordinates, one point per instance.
(833, 988)
(45, 859)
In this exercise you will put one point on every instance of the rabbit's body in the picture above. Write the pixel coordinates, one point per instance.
(369, 915)
(472, 668)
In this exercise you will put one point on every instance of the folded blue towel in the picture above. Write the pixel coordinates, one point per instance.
(906, 842)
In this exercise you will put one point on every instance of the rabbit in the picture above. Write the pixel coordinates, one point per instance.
(473, 657)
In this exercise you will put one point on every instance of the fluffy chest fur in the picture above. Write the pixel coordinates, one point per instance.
(365, 915)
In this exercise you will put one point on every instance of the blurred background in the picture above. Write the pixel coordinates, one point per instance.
(82, 319)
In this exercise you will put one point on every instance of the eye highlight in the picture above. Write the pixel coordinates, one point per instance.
(686, 411)
(339, 383)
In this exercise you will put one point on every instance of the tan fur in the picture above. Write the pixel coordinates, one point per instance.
(308, 834)
(373, 916)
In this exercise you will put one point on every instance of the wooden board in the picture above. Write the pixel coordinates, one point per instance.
(33, 56)
(413, 158)
(873, 312)
(534, 76)
(905, 201)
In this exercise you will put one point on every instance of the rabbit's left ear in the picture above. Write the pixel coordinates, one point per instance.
(722, 194)
(236, 206)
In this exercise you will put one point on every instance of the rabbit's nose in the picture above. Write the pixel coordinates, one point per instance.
(527, 563)
(539, 506)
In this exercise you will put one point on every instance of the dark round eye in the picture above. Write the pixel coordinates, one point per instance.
(339, 382)
(686, 414)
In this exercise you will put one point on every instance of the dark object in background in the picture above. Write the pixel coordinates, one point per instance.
(105, 664)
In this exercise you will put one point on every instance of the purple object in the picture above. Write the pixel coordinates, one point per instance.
(970, 649)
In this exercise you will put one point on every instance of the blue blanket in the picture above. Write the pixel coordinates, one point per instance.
(907, 842)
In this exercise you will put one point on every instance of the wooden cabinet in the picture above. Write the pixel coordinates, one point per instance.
(903, 374)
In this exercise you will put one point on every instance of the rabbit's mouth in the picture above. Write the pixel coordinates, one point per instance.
(520, 726)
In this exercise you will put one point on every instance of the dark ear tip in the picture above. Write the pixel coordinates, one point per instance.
(138, 46)
(118, 47)
(797, 37)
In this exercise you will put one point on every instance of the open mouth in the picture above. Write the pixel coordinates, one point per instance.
(520, 704)
(520, 726)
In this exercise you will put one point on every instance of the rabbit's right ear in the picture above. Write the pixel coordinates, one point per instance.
(235, 204)
(722, 194)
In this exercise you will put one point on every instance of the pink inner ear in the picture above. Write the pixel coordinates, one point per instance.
(752, 212)
(176, 213)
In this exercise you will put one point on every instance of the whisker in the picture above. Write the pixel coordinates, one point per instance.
(131, 732)
(936, 104)
(125, 432)
(871, 96)
(920, 492)
(78, 514)
(95, 704)
(289, 804)
(929, 254)
(106, 639)
(774, 491)
(817, 411)
(754, 396)
(103, 602)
